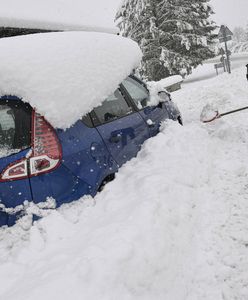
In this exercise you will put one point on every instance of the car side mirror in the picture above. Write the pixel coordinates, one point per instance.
(164, 96)
(160, 105)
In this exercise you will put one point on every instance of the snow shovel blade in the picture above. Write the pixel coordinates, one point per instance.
(209, 114)
(211, 118)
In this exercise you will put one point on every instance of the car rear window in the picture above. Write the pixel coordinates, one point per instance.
(15, 126)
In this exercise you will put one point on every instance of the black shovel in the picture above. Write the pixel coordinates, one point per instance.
(218, 115)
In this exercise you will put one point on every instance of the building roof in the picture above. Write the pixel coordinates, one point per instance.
(86, 15)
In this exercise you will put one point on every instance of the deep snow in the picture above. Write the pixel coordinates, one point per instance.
(64, 75)
(171, 226)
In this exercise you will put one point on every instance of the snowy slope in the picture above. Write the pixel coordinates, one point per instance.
(172, 225)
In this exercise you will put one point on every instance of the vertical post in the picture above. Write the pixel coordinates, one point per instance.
(216, 69)
(223, 61)
(227, 54)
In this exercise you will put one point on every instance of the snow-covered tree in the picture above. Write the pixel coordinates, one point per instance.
(174, 35)
(240, 35)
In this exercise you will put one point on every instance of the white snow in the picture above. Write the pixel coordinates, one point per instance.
(156, 87)
(93, 15)
(171, 226)
(168, 81)
(64, 75)
(157, 92)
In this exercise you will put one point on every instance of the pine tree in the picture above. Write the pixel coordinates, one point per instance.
(173, 34)
(138, 21)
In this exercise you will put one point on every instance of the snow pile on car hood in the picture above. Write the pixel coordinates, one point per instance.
(84, 15)
(64, 75)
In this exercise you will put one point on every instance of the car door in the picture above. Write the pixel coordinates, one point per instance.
(15, 140)
(153, 115)
(121, 127)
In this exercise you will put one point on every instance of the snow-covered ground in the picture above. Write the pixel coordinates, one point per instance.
(173, 225)
(208, 71)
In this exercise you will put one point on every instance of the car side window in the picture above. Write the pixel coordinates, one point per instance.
(138, 93)
(87, 120)
(112, 108)
(7, 126)
(15, 126)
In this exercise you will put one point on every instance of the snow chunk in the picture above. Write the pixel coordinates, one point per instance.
(157, 93)
(64, 75)
(157, 89)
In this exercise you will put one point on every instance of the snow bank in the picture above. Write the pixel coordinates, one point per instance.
(64, 75)
(93, 15)
(132, 242)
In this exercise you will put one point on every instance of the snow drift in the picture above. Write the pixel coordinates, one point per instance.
(64, 75)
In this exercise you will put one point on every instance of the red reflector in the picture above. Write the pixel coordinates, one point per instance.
(41, 164)
(17, 170)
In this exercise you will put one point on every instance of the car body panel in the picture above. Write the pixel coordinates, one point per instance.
(125, 138)
(86, 162)
(154, 115)
(136, 91)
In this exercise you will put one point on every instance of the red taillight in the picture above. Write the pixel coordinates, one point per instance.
(45, 156)
(17, 170)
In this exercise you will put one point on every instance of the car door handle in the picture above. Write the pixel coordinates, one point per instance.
(150, 123)
(115, 138)
(149, 109)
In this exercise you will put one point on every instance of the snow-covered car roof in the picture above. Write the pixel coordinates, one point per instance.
(65, 74)
(93, 15)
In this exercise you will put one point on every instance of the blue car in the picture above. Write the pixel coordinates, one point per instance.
(38, 161)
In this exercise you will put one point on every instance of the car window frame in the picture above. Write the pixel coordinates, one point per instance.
(129, 97)
(95, 120)
(87, 120)
(14, 101)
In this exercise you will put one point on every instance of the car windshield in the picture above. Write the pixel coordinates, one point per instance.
(15, 126)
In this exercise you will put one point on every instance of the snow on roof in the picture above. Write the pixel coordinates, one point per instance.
(64, 75)
(93, 15)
